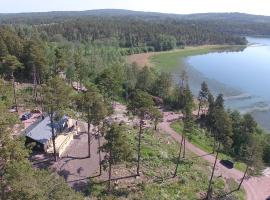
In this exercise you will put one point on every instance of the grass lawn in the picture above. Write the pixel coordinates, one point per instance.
(200, 139)
(176, 58)
(159, 153)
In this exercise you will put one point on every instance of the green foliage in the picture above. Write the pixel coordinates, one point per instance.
(157, 116)
(163, 85)
(141, 104)
(19, 180)
(146, 78)
(164, 42)
(181, 99)
(266, 148)
(109, 82)
(55, 95)
(5, 93)
(158, 162)
(203, 140)
(92, 104)
(116, 145)
(10, 64)
(33, 184)
(203, 96)
(35, 60)
(137, 31)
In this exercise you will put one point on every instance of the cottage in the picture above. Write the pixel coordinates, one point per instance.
(41, 133)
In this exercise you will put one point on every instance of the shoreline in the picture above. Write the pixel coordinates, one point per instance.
(176, 61)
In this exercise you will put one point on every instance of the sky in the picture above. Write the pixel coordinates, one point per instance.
(260, 7)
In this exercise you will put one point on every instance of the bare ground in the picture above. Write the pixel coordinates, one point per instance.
(141, 59)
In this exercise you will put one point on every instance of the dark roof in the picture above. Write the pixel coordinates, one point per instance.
(42, 132)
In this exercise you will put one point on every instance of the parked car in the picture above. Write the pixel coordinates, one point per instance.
(26, 116)
(227, 163)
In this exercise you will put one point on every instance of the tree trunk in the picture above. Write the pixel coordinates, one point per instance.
(156, 123)
(214, 147)
(99, 154)
(211, 178)
(184, 150)
(242, 180)
(126, 92)
(139, 148)
(89, 139)
(199, 109)
(53, 137)
(110, 171)
(14, 91)
(178, 159)
(35, 83)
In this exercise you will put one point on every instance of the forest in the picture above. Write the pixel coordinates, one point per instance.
(141, 31)
(90, 51)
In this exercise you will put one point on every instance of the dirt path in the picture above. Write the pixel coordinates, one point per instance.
(257, 188)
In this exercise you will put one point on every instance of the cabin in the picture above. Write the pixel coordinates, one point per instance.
(41, 134)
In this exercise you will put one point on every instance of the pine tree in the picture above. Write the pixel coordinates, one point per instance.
(142, 105)
(116, 147)
(55, 95)
(11, 64)
(203, 96)
(94, 108)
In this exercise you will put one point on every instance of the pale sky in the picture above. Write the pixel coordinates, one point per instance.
(260, 7)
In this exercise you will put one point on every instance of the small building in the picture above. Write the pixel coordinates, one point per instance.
(41, 134)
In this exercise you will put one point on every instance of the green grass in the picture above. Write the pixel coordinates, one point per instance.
(232, 184)
(159, 153)
(200, 139)
(167, 61)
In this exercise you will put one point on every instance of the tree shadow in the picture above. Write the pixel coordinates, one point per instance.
(76, 157)
(120, 193)
(182, 161)
(84, 179)
(160, 179)
(223, 196)
(118, 178)
(80, 186)
(64, 173)
(44, 163)
(200, 156)
(78, 136)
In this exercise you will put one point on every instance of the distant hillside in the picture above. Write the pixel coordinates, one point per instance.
(230, 23)
(55, 16)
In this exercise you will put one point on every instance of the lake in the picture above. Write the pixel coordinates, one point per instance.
(242, 76)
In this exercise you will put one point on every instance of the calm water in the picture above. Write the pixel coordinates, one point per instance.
(247, 72)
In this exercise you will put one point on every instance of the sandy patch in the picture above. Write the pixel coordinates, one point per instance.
(141, 59)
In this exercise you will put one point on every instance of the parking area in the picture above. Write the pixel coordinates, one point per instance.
(75, 165)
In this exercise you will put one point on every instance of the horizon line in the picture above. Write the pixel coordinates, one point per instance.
(143, 11)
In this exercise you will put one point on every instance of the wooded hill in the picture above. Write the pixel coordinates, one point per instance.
(133, 29)
(233, 23)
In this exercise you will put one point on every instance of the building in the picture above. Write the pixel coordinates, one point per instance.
(41, 133)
